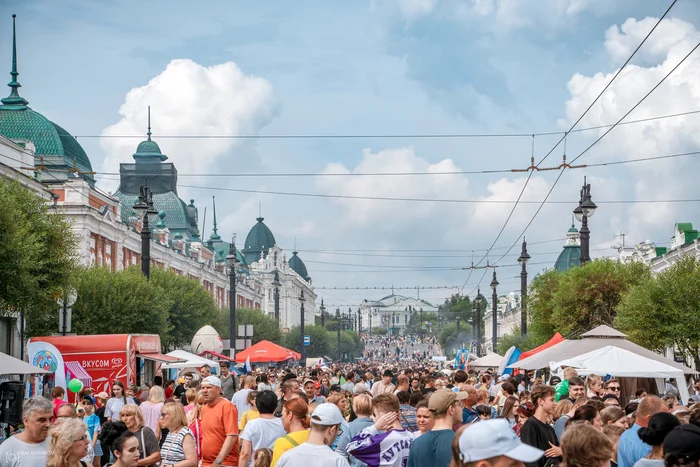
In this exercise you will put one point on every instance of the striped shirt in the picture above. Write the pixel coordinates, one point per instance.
(172, 450)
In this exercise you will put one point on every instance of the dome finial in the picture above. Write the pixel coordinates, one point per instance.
(149, 123)
(215, 233)
(14, 98)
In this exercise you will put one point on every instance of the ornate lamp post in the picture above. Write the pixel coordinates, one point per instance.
(301, 325)
(276, 284)
(351, 321)
(323, 315)
(232, 260)
(523, 259)
(477, 320)
(494, 311)
(337, 317)
(583, 211)
(145, 211)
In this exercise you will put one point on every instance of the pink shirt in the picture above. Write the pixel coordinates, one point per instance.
(151, 414)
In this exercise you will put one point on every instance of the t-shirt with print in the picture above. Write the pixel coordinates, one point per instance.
(262, 433)
(16, 453)
(287, 442)
(93, 424)
(219, 421)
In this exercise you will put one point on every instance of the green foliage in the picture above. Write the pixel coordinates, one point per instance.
(515, 339)
(450, 339)
(324, 343)
(665, 311)
(379, 332)
(264, 326)
(540, 304)
(119, 302)
(37, 257)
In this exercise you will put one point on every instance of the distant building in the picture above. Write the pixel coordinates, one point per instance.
(393, 312)
(684, 242)
(508, 318)
(571, 254)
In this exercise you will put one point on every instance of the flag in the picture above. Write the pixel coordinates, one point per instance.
(247, 367)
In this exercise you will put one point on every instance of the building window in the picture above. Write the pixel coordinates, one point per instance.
(405, 319)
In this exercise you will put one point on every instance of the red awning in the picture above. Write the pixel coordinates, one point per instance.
(158, 357)
(266, 351)
(76, 370)
(216, 354)
(553, 341)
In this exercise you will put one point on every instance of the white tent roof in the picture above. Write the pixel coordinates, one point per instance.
(189, 360)
(10, 365)
(490, 360)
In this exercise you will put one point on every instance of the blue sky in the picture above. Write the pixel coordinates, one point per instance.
(372, 68)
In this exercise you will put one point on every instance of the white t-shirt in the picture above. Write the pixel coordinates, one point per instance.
(307, 455)
(239, 400)
(262, 433)
(114, 406)
(16, 453)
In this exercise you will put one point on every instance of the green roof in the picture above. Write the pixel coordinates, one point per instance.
(568, 258)
(259, 240)
(175, 210)
(298, 266)
(148, 149)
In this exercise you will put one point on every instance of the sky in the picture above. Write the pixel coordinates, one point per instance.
(384, 72)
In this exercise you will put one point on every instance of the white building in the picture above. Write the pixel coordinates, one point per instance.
(684, 242)
(393, 312)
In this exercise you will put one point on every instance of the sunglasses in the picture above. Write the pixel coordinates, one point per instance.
(614, 388)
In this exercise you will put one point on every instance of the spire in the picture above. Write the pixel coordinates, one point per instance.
(215, 235)
(149, 123)
(14, 98)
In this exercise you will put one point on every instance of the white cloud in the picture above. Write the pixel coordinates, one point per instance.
(190, 99)
(658, 180)
(414, 8)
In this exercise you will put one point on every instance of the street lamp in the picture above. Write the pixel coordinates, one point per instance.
(337, 317)
(523, 259)
(583, 211)
(146, 212)
(479, 299)
(350, 318)
(494, 311)
(301, 325)
(232, 261)
(323, 315)
(276, 284)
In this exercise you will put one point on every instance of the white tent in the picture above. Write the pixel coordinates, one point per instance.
(612, 360)
(490, 360)
(189, 360)
(10, 365)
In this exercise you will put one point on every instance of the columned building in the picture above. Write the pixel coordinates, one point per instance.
(393, 312)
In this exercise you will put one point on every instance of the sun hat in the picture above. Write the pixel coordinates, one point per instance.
(442, 399)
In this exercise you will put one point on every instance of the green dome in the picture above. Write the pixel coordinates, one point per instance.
(168, 203)
(568, 258)
(259, 240)
(298, 266)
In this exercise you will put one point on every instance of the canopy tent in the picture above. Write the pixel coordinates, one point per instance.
(189, 360)
(613, 360)
(10, 365)
(266, 351)
(556, 338)
(490, 360)
(594, 339)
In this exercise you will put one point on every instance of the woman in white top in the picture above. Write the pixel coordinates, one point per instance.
(117, 401)
(150, 409)
(178, 447)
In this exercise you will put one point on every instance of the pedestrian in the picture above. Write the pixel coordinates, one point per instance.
(229, 382)
(312, 392)
(424, 418)
(219, 426)
(536, 431)
(149, 449)
(613, 433)
(33, 442)
(150, 409)
(93, 425)
(362, 406)
(261, 432)
(682, 446)
(58, 395)
(614, 416)
(117, 401)
(631, 448)
(385, 385)
(204, 371)
(178, 447)
(126, 450)
(491, 443)
(660, 425)
(407, 411)
(434, 448)
(296, 422)
(69, 443)
(68, 412)
(240, 398)
(252, 413)
(584, 446)
(325, 427)
(180, 389)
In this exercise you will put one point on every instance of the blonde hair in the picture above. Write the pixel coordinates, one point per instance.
(611, 415)
(191, 395)
(362, 404)
(592, 379)
(570, 373)
(132, 409)
(562, 407)
(335, 398)
(583, 446)
(262, 457)
(63, 435)
(156, 394)
(176, 413)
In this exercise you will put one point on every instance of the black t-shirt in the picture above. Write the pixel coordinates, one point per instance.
(427, 390)
(539, 435)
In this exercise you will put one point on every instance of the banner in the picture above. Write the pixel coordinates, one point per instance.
(47, 357)
(462, 359)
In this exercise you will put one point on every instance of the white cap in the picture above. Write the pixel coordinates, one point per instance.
(503, 378)
(327, 414)
(212, 381)
(493, 438)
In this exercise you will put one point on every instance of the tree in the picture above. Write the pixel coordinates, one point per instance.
(379, 332)
(264, 326)
(119, 302)
(319, 341)
(665, 311)
(190, 307)
(541, 304)
(449, 338)
(515, 339)
(37, 257)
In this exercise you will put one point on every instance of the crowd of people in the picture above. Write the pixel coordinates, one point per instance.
(367, 414)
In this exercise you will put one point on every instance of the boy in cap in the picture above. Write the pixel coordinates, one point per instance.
(325, 427)
(492, 443)
(434, 448)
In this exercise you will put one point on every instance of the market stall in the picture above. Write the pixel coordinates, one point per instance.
(266, 352)
(490, 360)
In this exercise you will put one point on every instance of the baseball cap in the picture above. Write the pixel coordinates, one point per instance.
(494, 438)
(309, 380)
(102, 395)
(503, 378)
(212, 381)
(683, 443)
(442, 399)
(327, 414)
(335, 387)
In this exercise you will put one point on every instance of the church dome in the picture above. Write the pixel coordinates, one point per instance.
(149, 150)
(54, 147)
(259, 240)
(569, 257)
(298, 266)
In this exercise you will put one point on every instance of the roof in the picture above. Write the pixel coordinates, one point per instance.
(14, 366)
(568, 258)
(176, 216)
(604, 331)
(266, 351)
(259, 240)
(298, 266)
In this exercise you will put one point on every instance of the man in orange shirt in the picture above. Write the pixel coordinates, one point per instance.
(219, 426)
